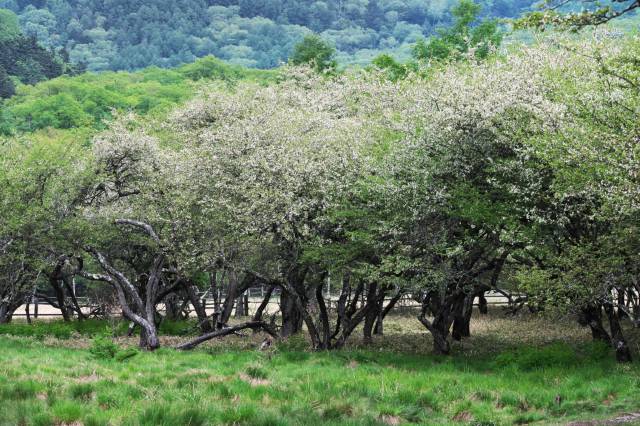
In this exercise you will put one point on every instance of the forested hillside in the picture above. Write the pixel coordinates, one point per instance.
(126, 35)
(22, 59)
(88, 100)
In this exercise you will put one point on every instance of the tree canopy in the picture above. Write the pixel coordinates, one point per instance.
(23, 58)
(519, 172)
(124, 35)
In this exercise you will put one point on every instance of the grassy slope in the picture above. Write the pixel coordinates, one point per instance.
(43, 385)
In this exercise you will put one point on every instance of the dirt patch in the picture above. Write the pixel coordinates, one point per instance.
(254, 381)
(622, 419)
(390, 420)
(216, 379)
(463, 416)
(92, 378)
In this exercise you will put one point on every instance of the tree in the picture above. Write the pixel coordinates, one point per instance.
(465, 36)
(591, 267)
(465, 172)
(276, 160)
(395, 70)
(43, 182)
(7, 88)
(121, 36)
(314, 51)
(564, 15)
(9, 27)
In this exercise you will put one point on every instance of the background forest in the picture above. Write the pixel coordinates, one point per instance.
(126, 35)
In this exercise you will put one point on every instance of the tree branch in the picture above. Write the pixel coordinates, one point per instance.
(254, 325)
(148, 229)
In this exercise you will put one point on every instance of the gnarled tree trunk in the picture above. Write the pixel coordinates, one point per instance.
(623, 353)
(591, 315)
(292, 315)
(137, 306)
(203, 320)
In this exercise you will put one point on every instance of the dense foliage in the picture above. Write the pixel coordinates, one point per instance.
(88, 100)
(23, 58)
(125, 35)
(487, 172)
(577, 15)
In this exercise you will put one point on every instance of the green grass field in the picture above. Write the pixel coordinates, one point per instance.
(48, 381)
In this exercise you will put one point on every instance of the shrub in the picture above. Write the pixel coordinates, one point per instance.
(103, 347)
(178, 328)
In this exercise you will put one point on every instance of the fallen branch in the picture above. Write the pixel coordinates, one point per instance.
(253, 325)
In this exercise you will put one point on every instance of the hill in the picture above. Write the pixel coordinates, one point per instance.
(125, 35)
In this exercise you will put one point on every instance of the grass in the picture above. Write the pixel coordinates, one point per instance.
(88, 328)
(224, 384)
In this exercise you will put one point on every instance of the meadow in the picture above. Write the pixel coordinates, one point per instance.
(554, 375)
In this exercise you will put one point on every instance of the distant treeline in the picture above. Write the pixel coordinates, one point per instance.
(126, 35)
(23, 59)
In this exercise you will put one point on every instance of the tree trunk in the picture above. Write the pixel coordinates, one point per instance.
(74, 302)
(213, 289)
(378, 328)
(439, 333)
(59, 293)
(27, 310)
(255, 325)
(462, 320)
(623, 353)
(591, 315)
(5, 315)
(292, 316)
(371, 314)
(149, 337)
(384, 312)
(622, 303)
(8, 305)
(349, 315)
(324, 334)
(444, 310)
(172, 307)
(227, 306)
(142, 311)
(240, 312)
(198, 307)
(263, 305)
(483, 306)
